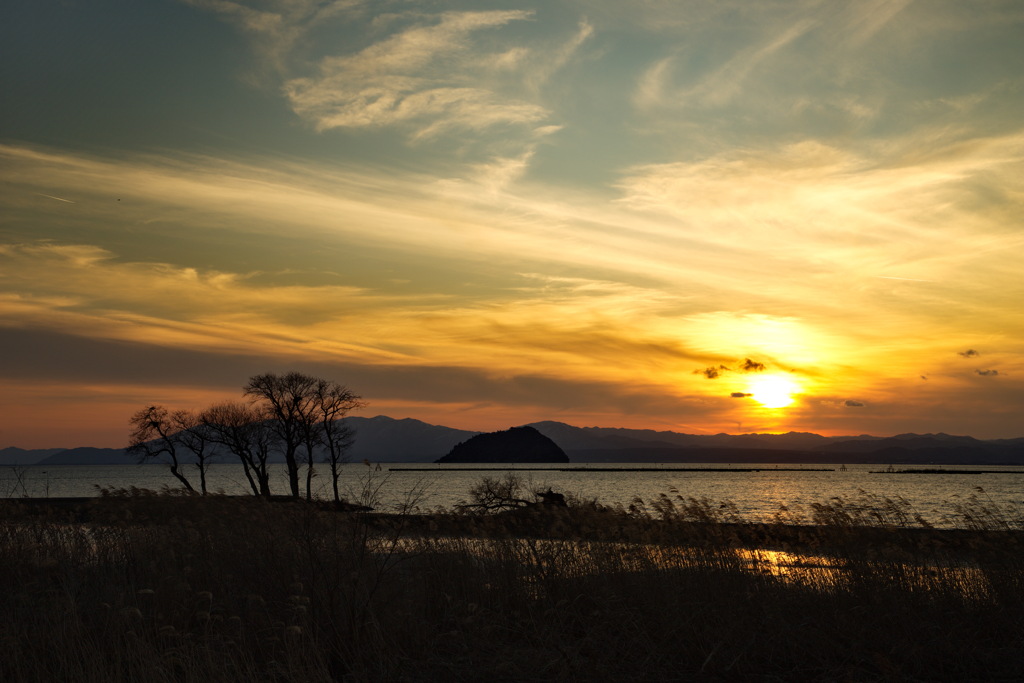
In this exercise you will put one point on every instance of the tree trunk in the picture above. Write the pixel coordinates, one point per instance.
(334, 480)
(181, 477)
(293, 473)
(248, 475)
(309, 480)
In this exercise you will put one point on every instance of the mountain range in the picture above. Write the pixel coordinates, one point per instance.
(385, 439)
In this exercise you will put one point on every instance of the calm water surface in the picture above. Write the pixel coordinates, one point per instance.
(756, 495)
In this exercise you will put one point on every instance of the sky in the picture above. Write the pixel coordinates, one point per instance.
(693, 215)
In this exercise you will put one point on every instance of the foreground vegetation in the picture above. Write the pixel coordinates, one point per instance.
(139, 586)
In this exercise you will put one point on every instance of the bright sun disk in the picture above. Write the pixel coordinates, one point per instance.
(773, 391)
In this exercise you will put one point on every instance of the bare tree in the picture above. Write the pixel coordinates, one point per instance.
(191, 434)
(493, 494)
(153, 436)
(243, 430)
(334, 401)
(290, 400)
(312, 432)
(295, 413)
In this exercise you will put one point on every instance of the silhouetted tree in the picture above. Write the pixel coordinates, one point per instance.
(312, 438)
(290, 401)
(244, 430)
(294, 413)
(333, 402)
(497, 494)
(191, 434)
(154, 435)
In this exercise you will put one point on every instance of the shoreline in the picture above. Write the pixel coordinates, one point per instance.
(528, 520)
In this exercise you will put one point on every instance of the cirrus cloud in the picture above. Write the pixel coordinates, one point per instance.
(429, 77)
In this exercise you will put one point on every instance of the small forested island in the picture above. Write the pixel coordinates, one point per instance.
(515, 445)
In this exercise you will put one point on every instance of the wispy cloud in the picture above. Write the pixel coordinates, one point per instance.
(424, 75)
(734, 73)
(59, 199)
(566, 336)
(812, 194)
(278, 28)
(851, 25)
(428, 77)
(722, 85)
(549, 62)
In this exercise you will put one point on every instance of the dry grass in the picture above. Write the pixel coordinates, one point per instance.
(171, 588)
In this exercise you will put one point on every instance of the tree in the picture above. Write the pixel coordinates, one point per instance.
(191, 434)
(493, 494)
(508, 493)
(153, 435)
(290, 400)
(288, 413)
(333, 402)
(243, 429)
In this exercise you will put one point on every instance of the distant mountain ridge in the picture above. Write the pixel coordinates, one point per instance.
(386, 439)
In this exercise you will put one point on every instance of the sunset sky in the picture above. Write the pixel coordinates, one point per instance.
(704, 216)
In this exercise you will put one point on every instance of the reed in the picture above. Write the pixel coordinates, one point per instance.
(149, 587)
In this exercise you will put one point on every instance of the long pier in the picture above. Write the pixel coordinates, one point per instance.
(944, 471)
(608, 469)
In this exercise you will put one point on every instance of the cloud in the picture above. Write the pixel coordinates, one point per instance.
(498, 174)
(276, 28)
(59, 199)
(722, 85)
(853, 404)
(748, 365)
(540, 72)
(762, 66)
(863, 20)
(570, 329)
(739, 394)
(969, 353)
(712, 372)
(356, 65)
(651, 290)
(432, 78)
(827, 202)
(52, 356)
(987, 373)
(752, 366)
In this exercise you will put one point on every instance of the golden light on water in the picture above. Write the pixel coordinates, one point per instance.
(773, 391)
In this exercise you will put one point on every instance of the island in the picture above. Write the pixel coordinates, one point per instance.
(515, 445)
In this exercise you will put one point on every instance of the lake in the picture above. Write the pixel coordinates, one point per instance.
(756, 494)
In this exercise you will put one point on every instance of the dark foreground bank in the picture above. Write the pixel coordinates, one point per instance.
(165, 588)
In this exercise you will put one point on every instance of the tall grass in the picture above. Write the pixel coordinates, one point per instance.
(177, 588)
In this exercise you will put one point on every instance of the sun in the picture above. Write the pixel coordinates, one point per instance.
(773, 391)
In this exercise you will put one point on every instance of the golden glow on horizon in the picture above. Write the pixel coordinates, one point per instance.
(773, 391)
